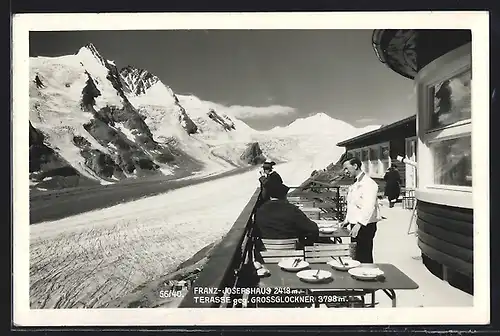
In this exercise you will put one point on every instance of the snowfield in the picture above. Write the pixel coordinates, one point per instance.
(89, 259)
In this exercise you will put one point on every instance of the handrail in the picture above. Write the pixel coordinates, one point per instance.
(220, 271)
(225, 267)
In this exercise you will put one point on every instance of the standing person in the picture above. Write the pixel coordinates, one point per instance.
(267, 177)
(363, 211)
(392, 185)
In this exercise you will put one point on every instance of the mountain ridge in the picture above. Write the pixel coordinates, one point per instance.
(107, 125)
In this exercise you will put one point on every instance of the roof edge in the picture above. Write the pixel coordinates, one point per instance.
(378, 130)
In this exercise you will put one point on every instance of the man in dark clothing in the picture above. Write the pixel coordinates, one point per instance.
(267, 177)
(392, 185)
(279, 219)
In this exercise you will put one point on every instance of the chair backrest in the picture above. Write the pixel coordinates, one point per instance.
(275, 256)
(277, 249)
(323, 253)
(280, 244)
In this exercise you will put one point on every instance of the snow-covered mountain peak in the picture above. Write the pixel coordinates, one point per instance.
(320, 123)
(137, 81)
(89, 52)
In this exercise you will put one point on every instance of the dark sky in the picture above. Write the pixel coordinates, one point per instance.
(331, 71)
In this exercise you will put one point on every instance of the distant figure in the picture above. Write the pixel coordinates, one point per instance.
(279, 219)
(38, 82)
(392, 185)
(267, 177)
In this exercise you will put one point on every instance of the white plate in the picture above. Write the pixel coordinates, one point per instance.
(287, 264)
(327, 229)
(348, 264)
(365, 273)
(327, 223)
(263, 272)
(309, 275)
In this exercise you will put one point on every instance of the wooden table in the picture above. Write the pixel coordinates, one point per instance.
(342, 281)
(337, 234)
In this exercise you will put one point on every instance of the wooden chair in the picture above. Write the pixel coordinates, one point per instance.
(322, 253)
(408, 199)
(280, 244)
(276, 249)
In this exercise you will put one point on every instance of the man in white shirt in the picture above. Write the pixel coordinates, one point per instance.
(363, 210)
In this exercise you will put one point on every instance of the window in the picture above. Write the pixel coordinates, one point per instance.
(374, 166)
(411, 171)
(445, 128)
(385, 159)
(452, 161)
(452, 100)
(365, 164)
(374, 158)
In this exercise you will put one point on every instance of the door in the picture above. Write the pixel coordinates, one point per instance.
(411, 153)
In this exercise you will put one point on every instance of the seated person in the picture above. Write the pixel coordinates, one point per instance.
(279, 219)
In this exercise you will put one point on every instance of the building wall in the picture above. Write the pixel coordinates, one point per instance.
(444, 191)
(392, 138)
(376, 167)
(445, 239)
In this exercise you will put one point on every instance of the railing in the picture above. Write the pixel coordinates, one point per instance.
(231, 264)
(226, 266)
(323, 191)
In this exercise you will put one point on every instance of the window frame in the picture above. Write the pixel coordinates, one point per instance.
(367, 166)
(445, 67)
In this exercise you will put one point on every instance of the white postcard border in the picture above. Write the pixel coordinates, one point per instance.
(476, 21)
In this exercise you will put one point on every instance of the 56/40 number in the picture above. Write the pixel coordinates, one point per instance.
(171, 294)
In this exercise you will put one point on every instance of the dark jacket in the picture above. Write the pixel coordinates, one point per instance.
(272, 178)
(279, 219)
(392, 184)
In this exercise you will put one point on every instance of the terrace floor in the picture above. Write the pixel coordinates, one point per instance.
(394, 245)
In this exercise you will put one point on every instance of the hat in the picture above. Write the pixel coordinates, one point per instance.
(277, 190)
(268, 164)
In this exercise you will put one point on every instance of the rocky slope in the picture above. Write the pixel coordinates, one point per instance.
(93, 123)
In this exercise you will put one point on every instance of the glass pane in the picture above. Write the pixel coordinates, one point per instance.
(409, 148)
(374, 167)
(414, 149)
(384, 157)
(453, 162)
(373, 154)
(364, 155)
(384, 153)
(452, 100)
